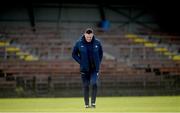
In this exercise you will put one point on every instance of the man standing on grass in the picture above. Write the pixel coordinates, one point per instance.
(88, 53)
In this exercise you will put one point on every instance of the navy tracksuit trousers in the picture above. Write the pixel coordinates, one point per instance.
(89, 78)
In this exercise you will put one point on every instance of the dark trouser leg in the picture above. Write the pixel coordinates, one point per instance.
(86, 81)
(94, 80)
(86, 95)
(94, 93)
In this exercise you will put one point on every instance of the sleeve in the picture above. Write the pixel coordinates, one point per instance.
(76, 53)
(100, 52)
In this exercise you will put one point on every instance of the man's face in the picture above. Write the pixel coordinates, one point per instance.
(88, 37)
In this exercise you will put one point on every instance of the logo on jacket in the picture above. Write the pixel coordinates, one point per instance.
(96, 46)
(82, 46)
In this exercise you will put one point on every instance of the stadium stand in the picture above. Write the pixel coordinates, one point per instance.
(138, 63)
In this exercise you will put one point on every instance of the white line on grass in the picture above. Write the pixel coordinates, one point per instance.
(87, 111)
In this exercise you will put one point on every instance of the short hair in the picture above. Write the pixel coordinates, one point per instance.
(89, 30)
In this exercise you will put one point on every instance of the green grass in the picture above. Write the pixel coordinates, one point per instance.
(104, 104)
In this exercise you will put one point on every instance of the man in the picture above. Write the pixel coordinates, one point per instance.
(88, 53)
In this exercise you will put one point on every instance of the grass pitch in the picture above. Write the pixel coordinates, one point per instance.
(104, 104)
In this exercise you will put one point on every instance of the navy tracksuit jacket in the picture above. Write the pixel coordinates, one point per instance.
(81, 56)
